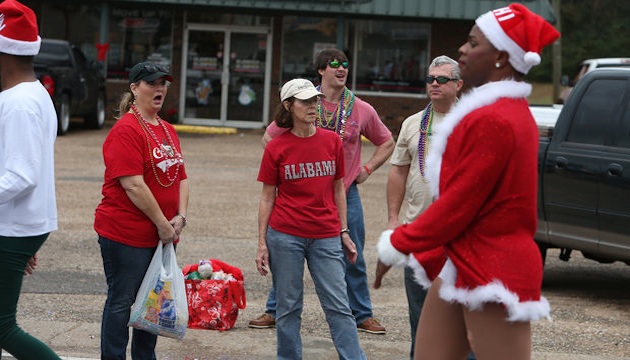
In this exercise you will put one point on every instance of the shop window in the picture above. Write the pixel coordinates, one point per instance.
(385, 56)
(138, 35)
(390, 56)
(303, 38)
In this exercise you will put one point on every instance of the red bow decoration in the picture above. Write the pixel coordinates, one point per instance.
(102, 51)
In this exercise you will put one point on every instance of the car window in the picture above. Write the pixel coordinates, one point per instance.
(597, 115)
(53, 54)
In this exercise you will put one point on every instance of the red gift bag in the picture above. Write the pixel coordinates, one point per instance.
(214, 304)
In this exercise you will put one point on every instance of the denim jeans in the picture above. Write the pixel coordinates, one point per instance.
(15, 253)
(356, 274)
(324, 259)
(124, 268)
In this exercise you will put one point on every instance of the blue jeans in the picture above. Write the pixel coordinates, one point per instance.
(124, 268)
(15, 252)
(356, 275)
(324, 259)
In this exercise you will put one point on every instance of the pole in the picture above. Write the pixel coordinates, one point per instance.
(556, 69)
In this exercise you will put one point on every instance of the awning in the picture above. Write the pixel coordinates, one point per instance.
(434, 9)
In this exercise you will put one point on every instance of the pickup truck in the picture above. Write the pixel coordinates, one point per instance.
(585, 67)
(584, 172)
(75, 84)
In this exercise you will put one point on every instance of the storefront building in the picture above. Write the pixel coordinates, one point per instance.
(229, 57)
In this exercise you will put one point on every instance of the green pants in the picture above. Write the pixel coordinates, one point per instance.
(15, 253)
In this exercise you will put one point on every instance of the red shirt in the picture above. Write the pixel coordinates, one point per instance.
(128, 150)
(304, 171)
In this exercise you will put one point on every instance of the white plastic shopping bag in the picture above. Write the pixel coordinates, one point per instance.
(161, 307)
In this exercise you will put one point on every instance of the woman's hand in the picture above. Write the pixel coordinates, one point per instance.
(349, 247)
(178, 222)
(262, 260)
(31, 265)
(381, 270)
(167, 233)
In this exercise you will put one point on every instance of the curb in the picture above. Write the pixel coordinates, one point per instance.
(214, 130)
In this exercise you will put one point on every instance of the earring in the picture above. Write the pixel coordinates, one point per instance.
(497, 65)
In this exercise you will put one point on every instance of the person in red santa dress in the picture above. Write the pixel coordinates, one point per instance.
(473, 247)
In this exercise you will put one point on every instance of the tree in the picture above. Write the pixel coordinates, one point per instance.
(590, 29)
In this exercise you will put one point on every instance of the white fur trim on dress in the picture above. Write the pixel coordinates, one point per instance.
(474, 99)
(387, 253)
(494, 292)
(419, 274)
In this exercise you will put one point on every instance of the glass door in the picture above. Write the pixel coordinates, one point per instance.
(226, 77)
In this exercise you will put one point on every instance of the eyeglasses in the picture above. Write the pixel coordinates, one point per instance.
(440, 79)
(335, 64)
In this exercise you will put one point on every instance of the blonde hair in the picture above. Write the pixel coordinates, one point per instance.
(126, 100)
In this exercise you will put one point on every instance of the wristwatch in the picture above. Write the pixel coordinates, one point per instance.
(345, 230)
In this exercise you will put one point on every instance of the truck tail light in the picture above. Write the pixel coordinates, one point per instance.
(49, 84)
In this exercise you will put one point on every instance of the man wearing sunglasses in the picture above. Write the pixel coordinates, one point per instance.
(351, 118)
(406, 180)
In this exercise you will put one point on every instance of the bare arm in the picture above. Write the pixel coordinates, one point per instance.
(346, 241)
(143, 199)
(379, 156)
(267, 200)
(396, 185)
(177, 221)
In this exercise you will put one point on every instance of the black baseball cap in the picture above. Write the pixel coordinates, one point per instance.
(149, 71)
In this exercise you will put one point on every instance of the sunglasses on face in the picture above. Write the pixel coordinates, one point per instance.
(335, 64)
(440, 79)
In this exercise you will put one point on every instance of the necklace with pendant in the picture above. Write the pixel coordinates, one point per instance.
(166, 148)
(335, 120)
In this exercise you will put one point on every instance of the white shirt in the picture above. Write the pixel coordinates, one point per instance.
(28, 129)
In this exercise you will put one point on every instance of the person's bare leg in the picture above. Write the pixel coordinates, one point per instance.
(441, 331)
(493, 337)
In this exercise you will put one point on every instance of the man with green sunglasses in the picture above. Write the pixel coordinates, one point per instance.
(351, 118)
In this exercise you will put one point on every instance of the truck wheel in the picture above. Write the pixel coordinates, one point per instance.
(63, 115)
(96, 119)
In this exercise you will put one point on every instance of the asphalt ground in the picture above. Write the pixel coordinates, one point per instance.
(61, 303)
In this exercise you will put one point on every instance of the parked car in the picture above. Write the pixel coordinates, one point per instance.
(585, 67)
(76, 85)
(584, 171)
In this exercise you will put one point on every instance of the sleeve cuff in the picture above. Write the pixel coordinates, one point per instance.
(387, 253)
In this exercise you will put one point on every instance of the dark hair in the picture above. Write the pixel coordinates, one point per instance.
(283, 117)
(327, 55)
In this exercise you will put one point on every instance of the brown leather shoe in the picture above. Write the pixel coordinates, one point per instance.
(371, 326)
(264, 321)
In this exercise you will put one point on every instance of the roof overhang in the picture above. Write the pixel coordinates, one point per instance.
(436, 9)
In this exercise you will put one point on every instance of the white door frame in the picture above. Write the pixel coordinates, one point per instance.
(228, 30)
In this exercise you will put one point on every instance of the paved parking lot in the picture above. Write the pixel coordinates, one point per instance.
(61, 304)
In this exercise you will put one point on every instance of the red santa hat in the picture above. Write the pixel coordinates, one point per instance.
(18, 29)
(519, 32)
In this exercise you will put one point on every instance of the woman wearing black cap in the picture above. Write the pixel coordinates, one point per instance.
(145, 198)
(477, 236)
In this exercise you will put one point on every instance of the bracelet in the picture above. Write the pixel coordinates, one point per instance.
(345, 230)
(367, 169)
(183, 218)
